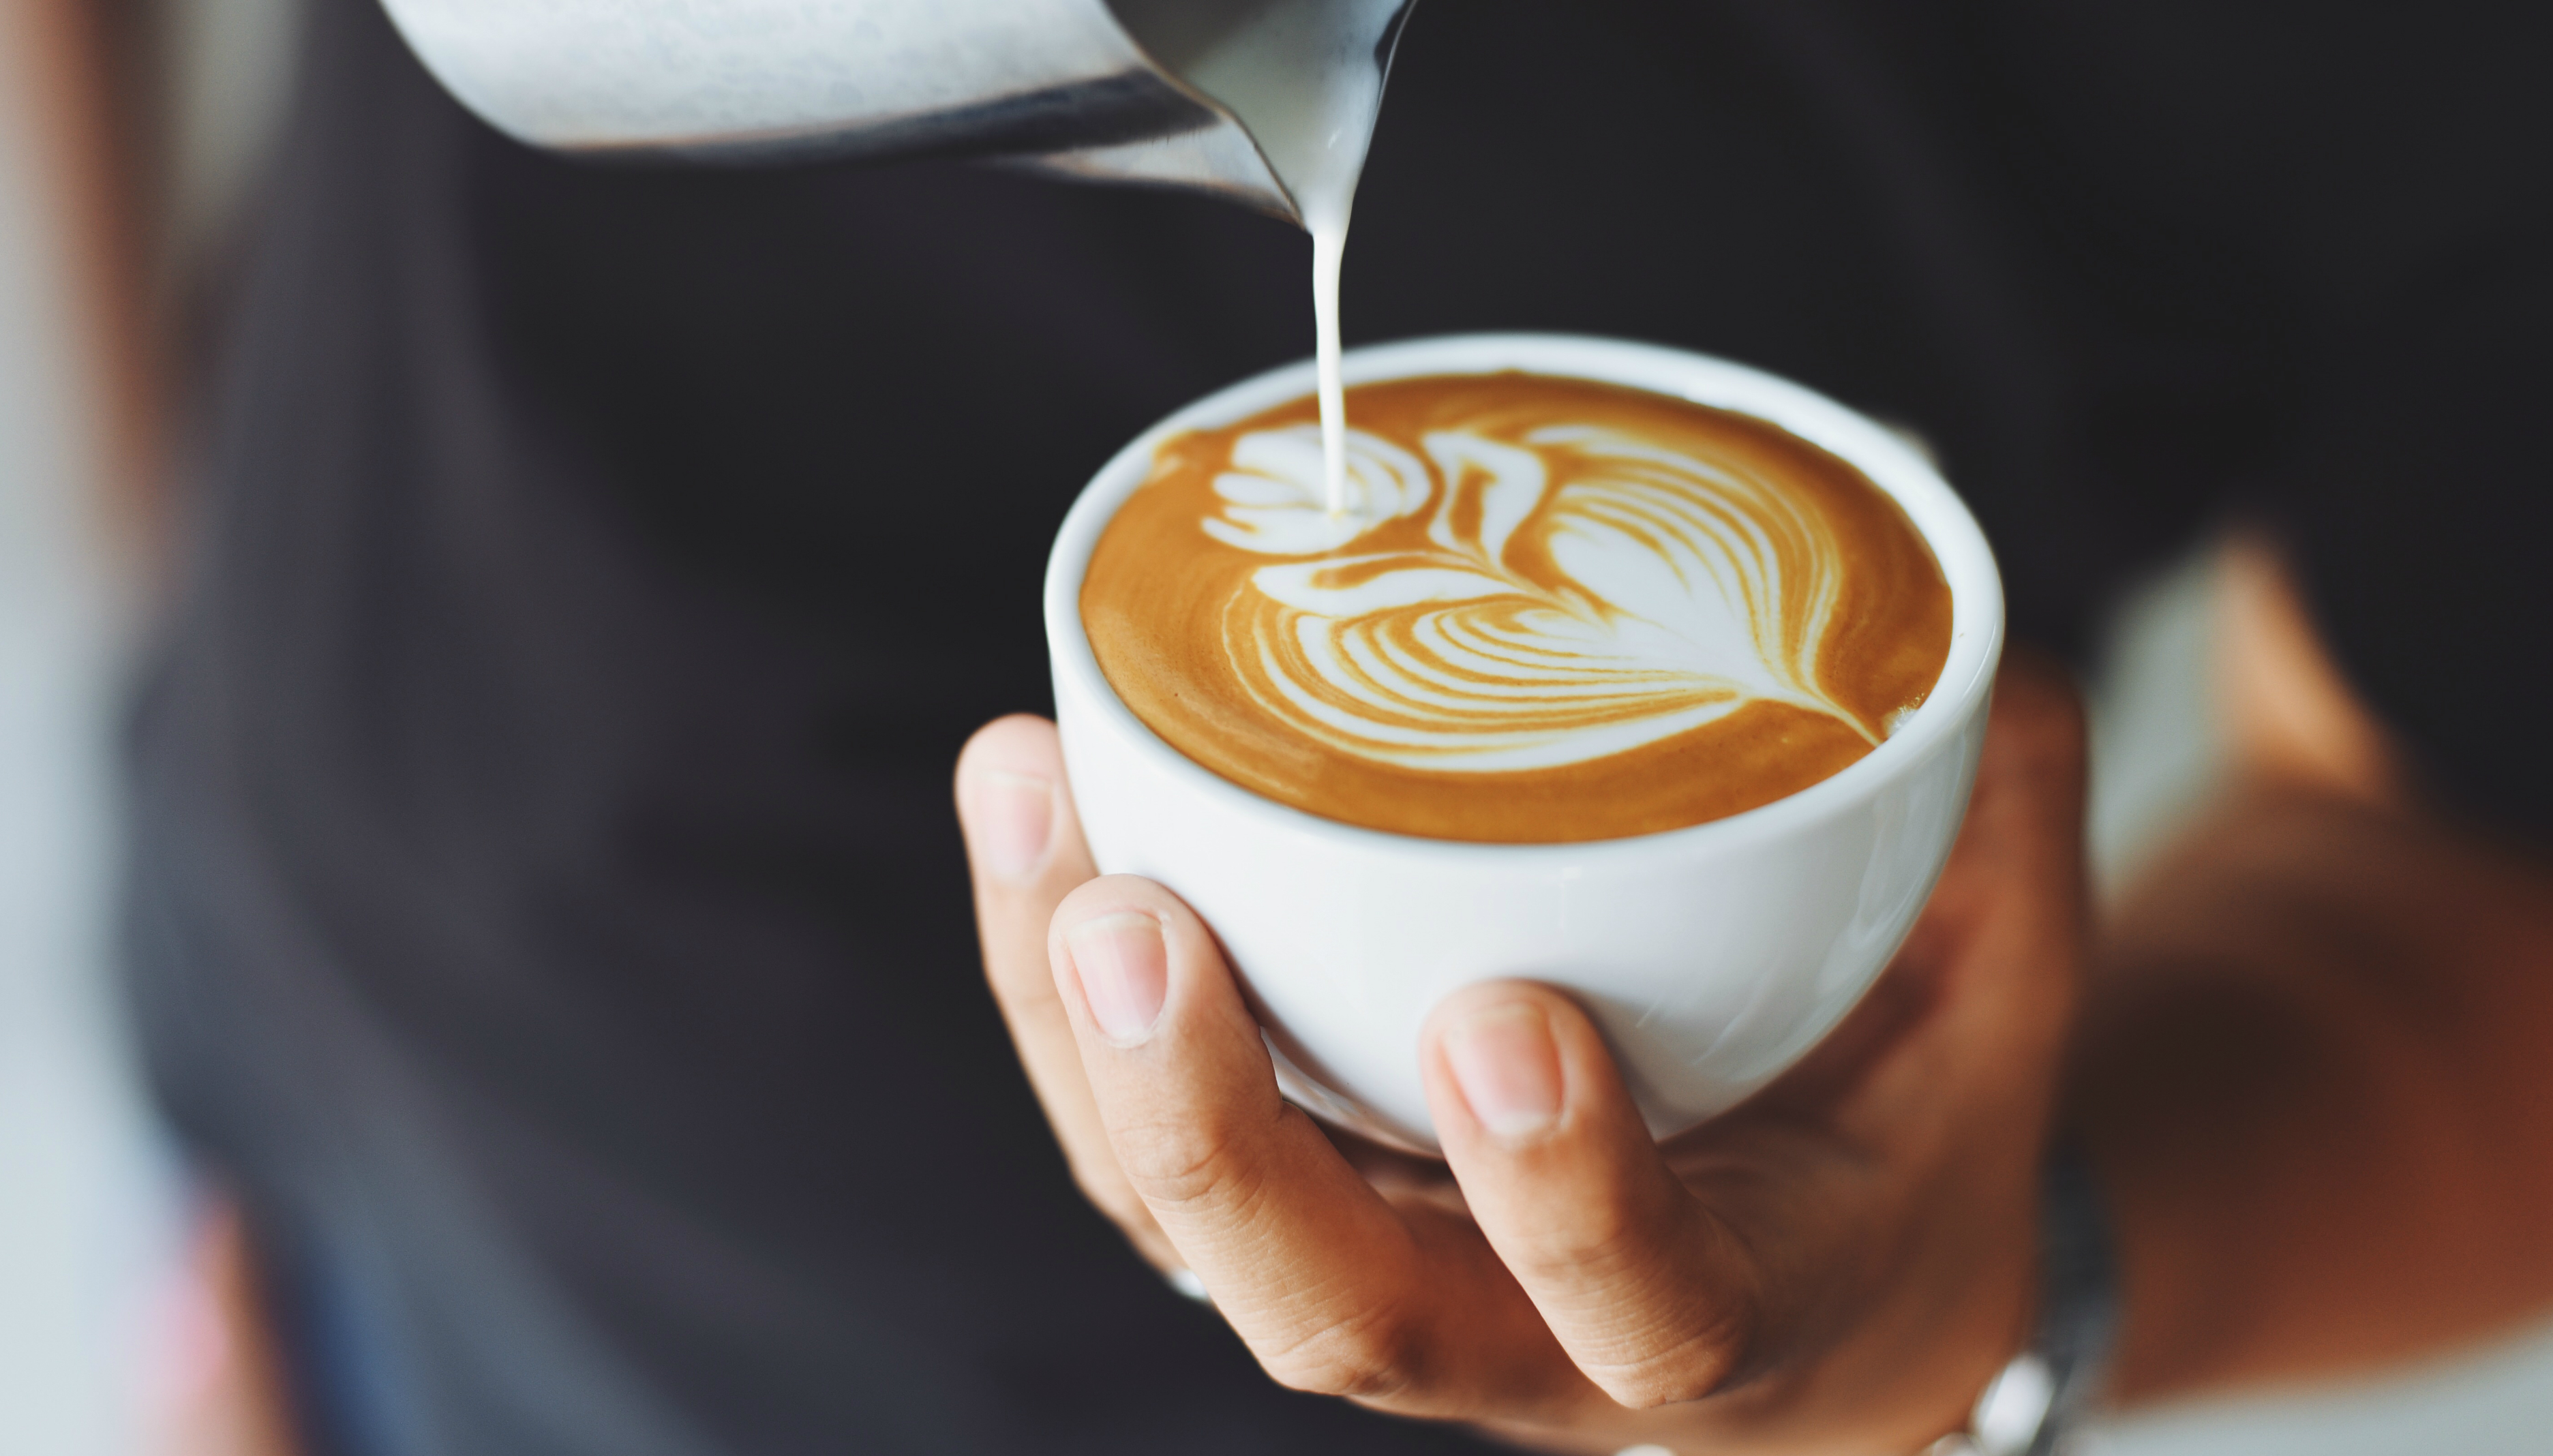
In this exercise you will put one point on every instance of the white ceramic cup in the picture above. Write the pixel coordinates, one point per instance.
(1712, 957)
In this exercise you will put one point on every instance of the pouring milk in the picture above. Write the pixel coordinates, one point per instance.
(1305, 79)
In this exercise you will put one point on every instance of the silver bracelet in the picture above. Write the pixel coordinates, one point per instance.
(2035, 1406)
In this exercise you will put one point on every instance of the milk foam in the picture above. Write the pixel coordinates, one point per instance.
(1581, 592)
(1305, 79)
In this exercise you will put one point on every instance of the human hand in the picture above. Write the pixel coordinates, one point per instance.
(1840, 1263)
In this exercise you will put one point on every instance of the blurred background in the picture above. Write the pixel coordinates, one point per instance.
(112, 1338)
(106, 1338)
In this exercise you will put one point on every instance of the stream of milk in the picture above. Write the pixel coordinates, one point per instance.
(1305, 79)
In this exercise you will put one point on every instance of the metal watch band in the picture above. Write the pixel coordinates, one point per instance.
(2032, 1407)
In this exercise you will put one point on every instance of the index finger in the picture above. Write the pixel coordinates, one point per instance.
(1024, 853)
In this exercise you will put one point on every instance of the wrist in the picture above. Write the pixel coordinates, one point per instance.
(2042, 1396)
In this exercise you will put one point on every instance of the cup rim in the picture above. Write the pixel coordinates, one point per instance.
(1899, 468)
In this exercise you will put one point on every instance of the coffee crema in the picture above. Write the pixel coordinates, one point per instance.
(1555, 611)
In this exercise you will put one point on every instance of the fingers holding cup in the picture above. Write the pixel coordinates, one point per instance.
(1334, 1288)
(1025, 851)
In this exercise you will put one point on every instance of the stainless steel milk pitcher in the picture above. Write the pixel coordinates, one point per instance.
(1105, 89)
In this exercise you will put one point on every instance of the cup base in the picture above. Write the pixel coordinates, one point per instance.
(1341, 1113)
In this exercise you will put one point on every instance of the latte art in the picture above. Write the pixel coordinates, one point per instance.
(1655, 593)
(1552, 611)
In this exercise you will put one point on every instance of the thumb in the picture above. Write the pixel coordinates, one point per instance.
(1648, 1293)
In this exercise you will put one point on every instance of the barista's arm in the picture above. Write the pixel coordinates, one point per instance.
(2315, 1060)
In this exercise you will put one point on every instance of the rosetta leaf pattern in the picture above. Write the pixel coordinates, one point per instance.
(1575, 592)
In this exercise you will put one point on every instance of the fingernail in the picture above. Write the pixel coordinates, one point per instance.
(1125, 973)
(1505, 1061)
(1011, 817)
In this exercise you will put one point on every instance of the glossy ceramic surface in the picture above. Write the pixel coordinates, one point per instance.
(1713, 957)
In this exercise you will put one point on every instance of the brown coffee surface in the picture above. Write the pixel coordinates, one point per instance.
(1556, 610)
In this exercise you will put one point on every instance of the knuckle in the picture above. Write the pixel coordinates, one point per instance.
(1610, 1239)
(1372, 1355)
(1696, 1363)
(1182, 1162)
(1661, 1313)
